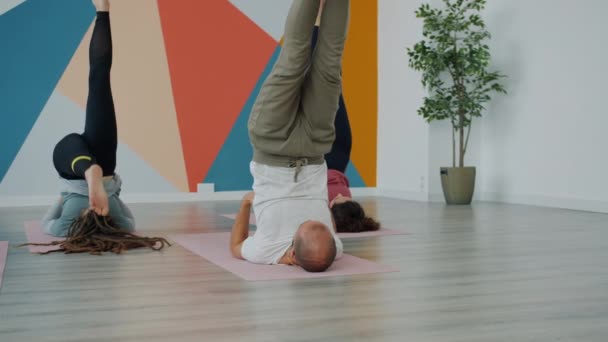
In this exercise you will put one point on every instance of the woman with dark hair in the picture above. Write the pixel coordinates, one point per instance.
(90, 213)
(86, 162)
(348, 215)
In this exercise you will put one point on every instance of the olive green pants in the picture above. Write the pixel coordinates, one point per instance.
(293, 116)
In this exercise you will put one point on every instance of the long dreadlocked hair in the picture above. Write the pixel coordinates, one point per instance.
(96, 234)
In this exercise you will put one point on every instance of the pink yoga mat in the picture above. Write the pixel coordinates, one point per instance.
(380, 232)
(34, 234)
(214, 248)
(3, 254)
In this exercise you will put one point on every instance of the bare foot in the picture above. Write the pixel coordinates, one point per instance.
(98, 198)
(102, 5)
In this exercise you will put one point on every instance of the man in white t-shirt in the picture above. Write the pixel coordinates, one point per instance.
(291, 128)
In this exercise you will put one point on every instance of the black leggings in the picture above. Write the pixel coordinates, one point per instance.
(338, 157)
(75, 153)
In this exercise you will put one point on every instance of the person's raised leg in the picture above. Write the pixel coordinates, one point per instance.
(339, 156)
(100, 131)
(333, 29)
(76, 153)
(274, 112)
(323, 86)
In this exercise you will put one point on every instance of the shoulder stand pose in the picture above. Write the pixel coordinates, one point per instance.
(291, 128)
(86, 162)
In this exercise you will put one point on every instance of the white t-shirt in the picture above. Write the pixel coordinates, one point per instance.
(281, 205)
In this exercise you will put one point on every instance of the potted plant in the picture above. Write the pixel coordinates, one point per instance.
(454, 60)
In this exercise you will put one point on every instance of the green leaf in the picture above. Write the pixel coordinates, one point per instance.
(453, 59)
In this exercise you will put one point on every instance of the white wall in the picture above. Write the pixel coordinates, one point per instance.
(545, 142)
(541, 144)
(402, 136)
(410, 151)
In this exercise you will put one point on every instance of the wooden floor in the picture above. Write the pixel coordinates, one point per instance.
(490, 272)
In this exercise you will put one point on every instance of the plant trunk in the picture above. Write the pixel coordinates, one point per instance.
(453, 145)
(466, 140)
(461, 133)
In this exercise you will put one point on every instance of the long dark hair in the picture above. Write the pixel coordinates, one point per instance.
(350, 218)
(95, 234)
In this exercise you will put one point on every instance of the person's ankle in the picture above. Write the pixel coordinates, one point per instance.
(101, 5)
(94, 172)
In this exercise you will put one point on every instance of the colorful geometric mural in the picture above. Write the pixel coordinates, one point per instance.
(34, 55)
(185, 76)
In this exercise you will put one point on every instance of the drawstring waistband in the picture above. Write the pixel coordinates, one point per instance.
(298, 163)
(284, 161)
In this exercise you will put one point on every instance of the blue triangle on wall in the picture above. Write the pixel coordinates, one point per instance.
(38, 39)
(354, 178)
(230, 170)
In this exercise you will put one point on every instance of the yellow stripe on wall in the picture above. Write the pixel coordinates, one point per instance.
(360, 82)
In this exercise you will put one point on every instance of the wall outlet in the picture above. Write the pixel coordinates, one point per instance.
(206, 188)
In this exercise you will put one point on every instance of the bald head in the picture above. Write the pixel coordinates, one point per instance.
(314, 246)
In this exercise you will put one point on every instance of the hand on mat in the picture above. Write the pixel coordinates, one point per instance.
(248, 198)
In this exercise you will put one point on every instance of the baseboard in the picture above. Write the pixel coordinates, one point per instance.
(26, 201)
(402, 194)
(180, 197)
(546, 201)
(363, 192)
(207, 195)
(436, 197)
(183, 197)
(535, 200)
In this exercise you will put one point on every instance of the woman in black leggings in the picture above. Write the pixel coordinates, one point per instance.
(86, 162)
(348, 215)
